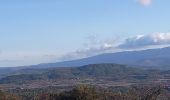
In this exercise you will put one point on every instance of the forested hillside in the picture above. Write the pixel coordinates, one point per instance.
(112, 71)
(89, 82)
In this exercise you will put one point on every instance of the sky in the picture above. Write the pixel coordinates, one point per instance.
(40, 31)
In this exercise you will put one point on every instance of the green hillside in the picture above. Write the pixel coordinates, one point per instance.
(112, 71)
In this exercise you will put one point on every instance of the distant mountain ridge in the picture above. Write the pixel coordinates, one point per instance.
(151, 58)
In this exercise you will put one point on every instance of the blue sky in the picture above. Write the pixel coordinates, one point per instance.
(35, 31)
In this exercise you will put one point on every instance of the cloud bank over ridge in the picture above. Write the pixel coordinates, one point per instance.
(138, 42)
(142, 41)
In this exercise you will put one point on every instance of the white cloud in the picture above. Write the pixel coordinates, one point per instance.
(96, 46)
(92, 47)
(145, 2)
(82, 53)
(142, 41)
